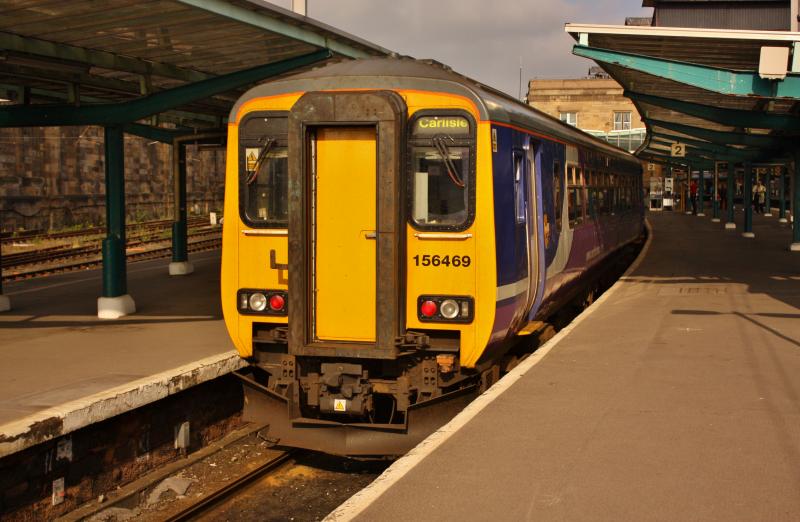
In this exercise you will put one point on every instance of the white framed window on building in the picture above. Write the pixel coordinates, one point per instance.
(622, 120)
(570, 118)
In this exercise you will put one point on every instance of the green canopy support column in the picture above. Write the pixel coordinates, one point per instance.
(701, 192)
(730, 184)
(748, 201)
(795, 205)
(782, 195)
(180, 264)
(715, 195)
(5, 302)
(688, 205)
(768, 199)
(115, 301)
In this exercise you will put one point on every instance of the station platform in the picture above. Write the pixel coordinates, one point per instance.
(62, 368)
(674, 397)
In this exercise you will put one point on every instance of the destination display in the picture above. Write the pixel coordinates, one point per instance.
(431, 125)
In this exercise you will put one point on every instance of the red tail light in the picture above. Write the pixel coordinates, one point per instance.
(276, 302)
(428, 308)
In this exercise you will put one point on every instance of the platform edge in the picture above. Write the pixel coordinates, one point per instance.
(60, 420)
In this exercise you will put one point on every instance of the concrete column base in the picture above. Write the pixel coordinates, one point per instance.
(749, 235)
(5, 303)
(179, 268)
(715, 220)
(115, 307)
(783, 220)
(701, 214)
(794, 247)
(730, 226)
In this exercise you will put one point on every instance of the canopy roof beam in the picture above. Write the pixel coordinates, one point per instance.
(248, 16)
(129, 111)
(667, 160)
(724, 137)
(91, 57)
(691, 156)
(712, 148)
(731, 117)
(723, 81)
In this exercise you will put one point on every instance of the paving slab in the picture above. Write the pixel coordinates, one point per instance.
(676, 397)
(62, 368)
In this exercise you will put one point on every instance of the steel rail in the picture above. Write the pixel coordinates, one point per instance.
(212, 500)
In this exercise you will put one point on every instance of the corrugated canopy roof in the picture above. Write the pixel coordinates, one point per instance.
(700, 87)
(87, 52)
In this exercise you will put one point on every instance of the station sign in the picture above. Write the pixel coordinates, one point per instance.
(678, 150)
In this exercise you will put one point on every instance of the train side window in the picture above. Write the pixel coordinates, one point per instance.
(441, 161)
(600, 201)
(558, 202)
(575, 206)
(519, 188)
(263, 167)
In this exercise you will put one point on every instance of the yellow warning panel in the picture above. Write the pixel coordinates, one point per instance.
(345, 234)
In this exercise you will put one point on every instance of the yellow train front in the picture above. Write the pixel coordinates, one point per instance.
(359, 268)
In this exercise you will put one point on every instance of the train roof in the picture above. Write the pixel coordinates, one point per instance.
(408, 73)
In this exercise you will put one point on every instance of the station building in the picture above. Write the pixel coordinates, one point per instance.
(594, 104)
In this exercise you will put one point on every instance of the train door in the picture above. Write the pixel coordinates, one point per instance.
(345, 220)
(532, 221)
(344, 233)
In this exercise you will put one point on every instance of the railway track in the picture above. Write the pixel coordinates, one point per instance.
(40, 235)
(59, 252)
(91, 256)
(209, 502)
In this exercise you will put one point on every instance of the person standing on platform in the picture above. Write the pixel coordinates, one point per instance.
(759, 196)
(722, 192)
(693, 196)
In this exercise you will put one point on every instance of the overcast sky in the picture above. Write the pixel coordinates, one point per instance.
(483, 39)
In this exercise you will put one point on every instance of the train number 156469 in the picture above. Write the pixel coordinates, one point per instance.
(437, 260)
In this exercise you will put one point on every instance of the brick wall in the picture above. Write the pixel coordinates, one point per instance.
(53, 177)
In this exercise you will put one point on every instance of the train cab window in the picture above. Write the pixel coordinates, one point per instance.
(441, 161)
(263, 186)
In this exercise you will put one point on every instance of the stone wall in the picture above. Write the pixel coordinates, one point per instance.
(595, 100)
(53, 178)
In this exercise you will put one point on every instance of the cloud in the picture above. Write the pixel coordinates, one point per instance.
(483, 39)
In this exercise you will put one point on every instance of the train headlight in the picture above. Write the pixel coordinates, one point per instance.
(449, 309)
(445, 309)
(258, 302)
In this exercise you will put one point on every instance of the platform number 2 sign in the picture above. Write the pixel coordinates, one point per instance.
(678, 150)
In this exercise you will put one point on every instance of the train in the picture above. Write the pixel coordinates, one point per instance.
(392, 229)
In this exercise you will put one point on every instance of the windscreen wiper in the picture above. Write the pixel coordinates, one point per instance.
(440, 143)
(261, 160)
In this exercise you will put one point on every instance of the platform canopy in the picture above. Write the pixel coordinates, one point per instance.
(703, 88)
(182, 62)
